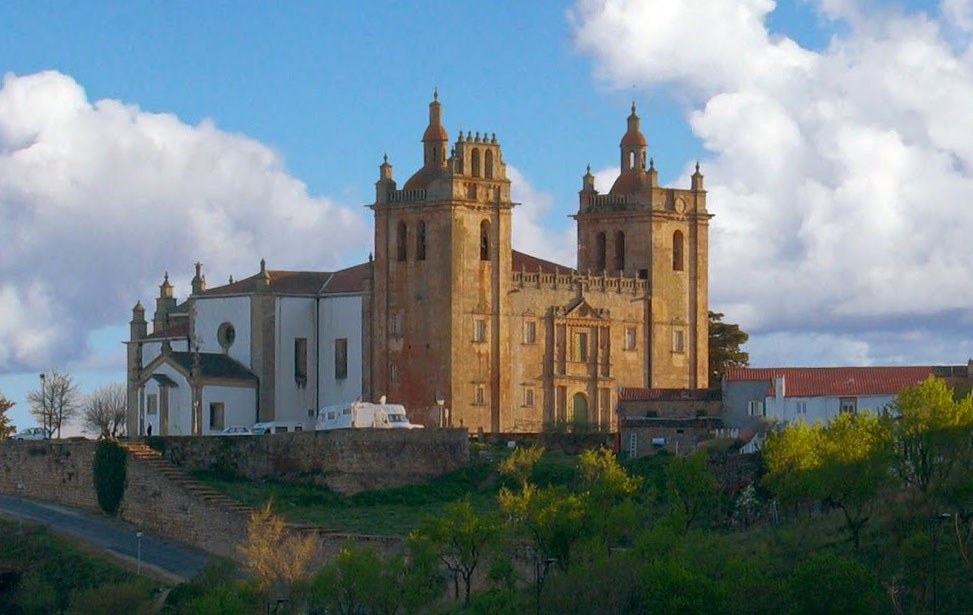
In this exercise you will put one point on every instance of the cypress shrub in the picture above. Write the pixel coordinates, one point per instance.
(109, 471)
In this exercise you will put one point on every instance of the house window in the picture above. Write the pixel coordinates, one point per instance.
(562, 402)
(340, 358)
(421, 241)
(485, 240)
(225, 335)
(402, 237)
(475, 158)
(300, 360)
(310, 413)
(755, 408)
(479, 330)
(393, 372)
(488, 164)
(395, 323)
(604, 403)
(600, 254)
(529, 397)
(630, 339)
(678, 344)
(530, 332)
(677, 251)
(151, 404)
(633, 445)
(580, 346)
(216, 415)
(802, 408)
(849, 404)
(479, 395)
(620, 251)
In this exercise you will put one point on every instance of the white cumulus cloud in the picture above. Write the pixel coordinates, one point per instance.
(98, 197)
(841, 178)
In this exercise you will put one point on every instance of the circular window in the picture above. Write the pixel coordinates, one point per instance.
(225, 335)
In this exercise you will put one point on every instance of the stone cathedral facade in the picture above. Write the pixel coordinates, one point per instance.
(448, 319)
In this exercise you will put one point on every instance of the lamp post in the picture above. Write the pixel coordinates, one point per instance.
(44, 413)
(138, 553)
(441, 402)
(20, 501)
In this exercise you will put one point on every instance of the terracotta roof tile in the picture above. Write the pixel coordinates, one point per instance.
(835, 381)
(630, 182)
(520, 261)
(300, 282)
(214, 365)
(350, 280)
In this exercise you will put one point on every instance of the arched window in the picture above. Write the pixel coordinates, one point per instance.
(677, 251)
(475, 162)
(631, 160)
(488, 165)
(485, 240)
(620, 251)
(400, 245)
(600, 258)
(421, 241)
(435, 157)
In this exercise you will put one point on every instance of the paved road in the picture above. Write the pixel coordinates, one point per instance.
(108, 534)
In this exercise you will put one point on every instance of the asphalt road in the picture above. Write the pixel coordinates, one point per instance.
(109, 534)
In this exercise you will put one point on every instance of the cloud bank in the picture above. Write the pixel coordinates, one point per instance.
(841, 179)
(97, 198)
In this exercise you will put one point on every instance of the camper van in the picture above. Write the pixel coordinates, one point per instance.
(360, 414)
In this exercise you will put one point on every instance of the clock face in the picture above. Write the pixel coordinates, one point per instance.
(680, 205)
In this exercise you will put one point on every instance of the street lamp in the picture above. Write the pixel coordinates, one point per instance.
(20, 502)
(138, 553)
(441, 401)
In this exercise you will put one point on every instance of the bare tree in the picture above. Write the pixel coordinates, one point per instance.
(6, 428)
(103, 411)
(56, 402)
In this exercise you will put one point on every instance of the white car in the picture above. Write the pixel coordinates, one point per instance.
(270, 427)
(32, 433)
(235, 431)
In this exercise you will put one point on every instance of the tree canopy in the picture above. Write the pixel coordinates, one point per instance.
(725, 340)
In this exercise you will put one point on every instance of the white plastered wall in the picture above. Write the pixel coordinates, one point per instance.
(340, 317)
(239, 405)
(211, 312)
(294, 318)
(180, 403)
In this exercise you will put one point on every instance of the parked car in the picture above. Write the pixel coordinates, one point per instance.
(237, 430)
(31, 433)
(277, 427)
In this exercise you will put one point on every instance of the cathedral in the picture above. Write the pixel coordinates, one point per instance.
(447, 319)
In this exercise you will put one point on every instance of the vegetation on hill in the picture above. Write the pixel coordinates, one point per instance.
(869, 514)
(43, 574)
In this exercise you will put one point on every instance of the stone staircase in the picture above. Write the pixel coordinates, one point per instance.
(160, 465)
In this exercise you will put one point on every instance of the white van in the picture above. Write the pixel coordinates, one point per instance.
(270, 427)
(361, 414)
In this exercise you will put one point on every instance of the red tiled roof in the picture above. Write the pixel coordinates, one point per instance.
(834, 381)
(422, 178)
(520, 261)
(630, 182)
(299, 282)
(637, 394)
(633, 138)
(175, 329)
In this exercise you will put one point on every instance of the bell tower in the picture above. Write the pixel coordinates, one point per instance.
(643, 230)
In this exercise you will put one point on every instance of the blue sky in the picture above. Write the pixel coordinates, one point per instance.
(328, 87)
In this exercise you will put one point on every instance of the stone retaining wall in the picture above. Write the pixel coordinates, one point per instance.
(346, 460)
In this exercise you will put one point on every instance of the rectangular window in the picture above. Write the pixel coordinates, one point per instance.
(394, 372)
(755, 408)
(310, 413)
(340, 358)
(530, 332)
(529, 396)
(849, 404)
(802, 407)
(562, 403)
(630, 338)
(677, 341)
(479, 330)
(604, 402)
(479, 395)
(395, 323)
(216, 415)
(300, 360)
(580, 346)
(152, 404)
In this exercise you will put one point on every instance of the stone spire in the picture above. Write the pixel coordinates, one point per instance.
(435, 139)
(633, 145)
(697, 180)
(263, 278)
(199, 280)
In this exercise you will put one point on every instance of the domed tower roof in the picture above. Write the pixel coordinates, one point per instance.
(633, 136)
(435, 131)
(434, 143)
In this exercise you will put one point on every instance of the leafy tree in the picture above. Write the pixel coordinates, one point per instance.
(56, 402)
(833, 585)
(672, 587)
(461, 538)
(103, 411)
(520, 464)
(6, 426)
(608, 491)
(725, 340)
(931, 433)
(690, 486)
(272, 552)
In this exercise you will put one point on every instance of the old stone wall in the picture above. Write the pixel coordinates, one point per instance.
(53, 471)
(346, 460)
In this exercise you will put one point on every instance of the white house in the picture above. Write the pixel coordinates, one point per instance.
(275, 346)
(755, 397)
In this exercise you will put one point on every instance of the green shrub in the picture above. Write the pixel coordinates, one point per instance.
(109, 471)
(123, 599)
